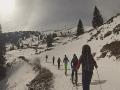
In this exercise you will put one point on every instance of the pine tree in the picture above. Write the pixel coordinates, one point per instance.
(54, 35)
(80, 29)
(2, 55)
(97, 18)
(49, 40)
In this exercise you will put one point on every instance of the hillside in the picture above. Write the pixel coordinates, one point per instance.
(104, 44)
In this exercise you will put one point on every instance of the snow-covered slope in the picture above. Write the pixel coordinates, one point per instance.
(21, 72)
(108, 68)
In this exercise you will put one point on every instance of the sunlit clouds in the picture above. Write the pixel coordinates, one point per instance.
(7, 8)
(49, 14)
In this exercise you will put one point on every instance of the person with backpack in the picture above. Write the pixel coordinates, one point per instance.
(65, 61)
(53, 60)
(46, 57)
(74, 64)
(88, 64)
(58, 61)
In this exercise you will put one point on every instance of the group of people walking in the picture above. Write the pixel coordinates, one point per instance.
(88, 64)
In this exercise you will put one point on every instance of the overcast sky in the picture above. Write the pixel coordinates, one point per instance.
(47, 14)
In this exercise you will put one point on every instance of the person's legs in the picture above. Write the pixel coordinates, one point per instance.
(65, 69)
(85, 80)
(76, 77)
(53, 61)
(58, 66)
(72, 75)
(87, 76)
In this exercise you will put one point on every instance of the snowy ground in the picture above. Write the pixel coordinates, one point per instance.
(21, 73)
(108, 69)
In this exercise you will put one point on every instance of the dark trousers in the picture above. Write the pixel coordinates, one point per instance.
(86, 79)
(58, 66)
(53, 62)
(74, 72)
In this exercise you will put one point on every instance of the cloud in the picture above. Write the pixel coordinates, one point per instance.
(56, 13)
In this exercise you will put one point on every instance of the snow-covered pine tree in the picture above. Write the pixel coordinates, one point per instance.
(97, 18)
(80, 29)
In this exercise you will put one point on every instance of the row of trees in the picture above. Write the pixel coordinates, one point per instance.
(96, 22)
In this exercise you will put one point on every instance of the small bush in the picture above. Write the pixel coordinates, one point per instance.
(23, 58)
(54, 35)
(107, 34)
(103, 54)
(43, 81)
(94, 36)
(116, 29)
(113, 48)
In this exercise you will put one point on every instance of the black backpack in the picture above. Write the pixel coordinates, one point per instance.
(87, 63)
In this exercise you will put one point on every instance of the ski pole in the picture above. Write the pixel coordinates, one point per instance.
(99, 79)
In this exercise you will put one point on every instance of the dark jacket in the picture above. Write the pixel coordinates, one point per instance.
(74, 63)
(59, 60)
(87, 62)
(65, 60)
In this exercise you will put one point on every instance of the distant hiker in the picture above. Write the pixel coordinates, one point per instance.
(46, 57)
(74, 64)
(53, 60)
(58, 61)
(65, 61)
(88, 64)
